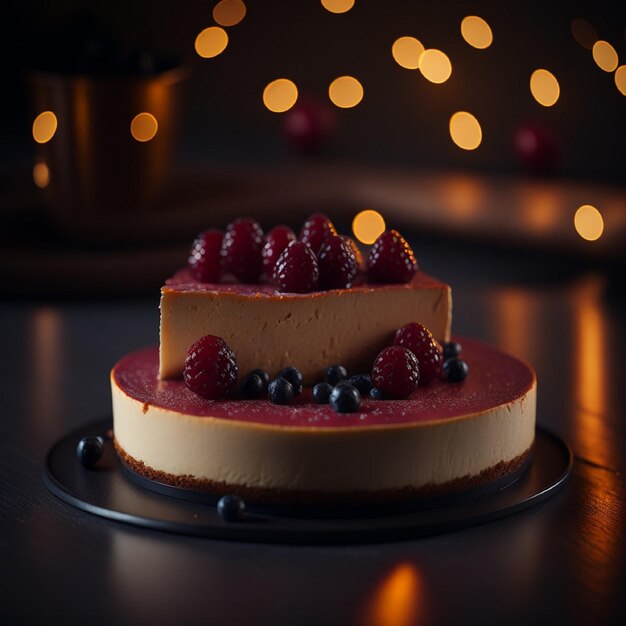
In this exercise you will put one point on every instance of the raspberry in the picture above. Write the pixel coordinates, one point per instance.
(391, 259)
(275, 242)
(337, 263)
(357, 251)
(396, 372)
(241, 250)
(418, 339)
(210, 368)
(315, 230)
(296, 269)
(204, 257)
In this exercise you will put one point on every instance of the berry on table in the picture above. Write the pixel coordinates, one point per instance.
(280, 391)
(275, 242)
(89, 450)
(316, 229)
(294, 376)
(231, 508)
(536, 148)
(210, 368)
(419, 340)
(337, 263)
(363, 382)
(252, 386)
(391, 259)
(396, 372)
(345, 398)
(204, 258)
(309, 123)
(451, 350)
(321, 393)
(241, 250)
(335, 374)
(296, 270)
(455, 370)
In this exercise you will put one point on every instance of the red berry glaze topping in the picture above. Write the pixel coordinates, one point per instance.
(275, 242)
(210, 368)
(315, 230)
(337, 263)
(419, 340)
(204, 257)
(241, 250)
(296, 270)
(391, 259)
(396, 371)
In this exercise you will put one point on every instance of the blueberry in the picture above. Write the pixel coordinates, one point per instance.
(455, 370)
(335, 373)
(343, 383)
(280, 391)
(377, 394)
(231, 508)
(451, 350)
(294, 376)
(263, 375)
(89, 450)
(252, 386)
(321, 393)
(345, 399)
(363, 382)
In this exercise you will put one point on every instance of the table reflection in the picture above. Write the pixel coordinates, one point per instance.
(46, 363)
(396, 600)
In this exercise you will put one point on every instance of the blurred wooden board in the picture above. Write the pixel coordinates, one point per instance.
(131, 253)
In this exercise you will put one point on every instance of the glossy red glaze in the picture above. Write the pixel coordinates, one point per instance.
(183, 281)
(494, 378)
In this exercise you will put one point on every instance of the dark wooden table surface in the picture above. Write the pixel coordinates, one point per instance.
(562, 562)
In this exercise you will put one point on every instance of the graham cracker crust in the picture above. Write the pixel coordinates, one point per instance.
(284, 496)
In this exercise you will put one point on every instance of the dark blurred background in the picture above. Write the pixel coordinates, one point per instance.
(221, 152)
(403, 118)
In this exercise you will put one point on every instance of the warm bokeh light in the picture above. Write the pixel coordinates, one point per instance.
(588, 222)
(44, 127)
(620, 79)
(541, 208)
(345, 92)
(396, 600)
(464, 197)
(590, 365)
(229, 12)
(144, 127)
(605, 56)
(280, 95)
(435, 66)
(544, 87)
(211, 42)
(465, 130)
(41, 175)
(407, 52)
(338, 6)
(367, 226)
(583, 32)
(476, 32)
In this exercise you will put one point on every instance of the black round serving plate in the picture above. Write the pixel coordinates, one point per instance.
(114, 491)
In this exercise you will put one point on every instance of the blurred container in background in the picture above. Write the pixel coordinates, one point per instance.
(104, 143)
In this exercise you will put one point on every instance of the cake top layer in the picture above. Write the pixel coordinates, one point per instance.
(183, 282)
(495, 378)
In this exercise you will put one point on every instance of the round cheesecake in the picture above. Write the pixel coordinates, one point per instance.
(446, 437)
